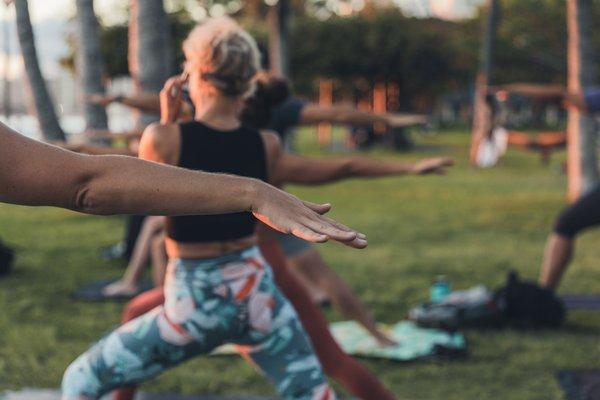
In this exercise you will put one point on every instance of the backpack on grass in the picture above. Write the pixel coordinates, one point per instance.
(527, 305)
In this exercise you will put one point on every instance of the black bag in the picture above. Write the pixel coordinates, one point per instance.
(7, 256)
(527, 305)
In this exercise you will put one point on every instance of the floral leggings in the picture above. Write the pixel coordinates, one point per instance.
(209, 302)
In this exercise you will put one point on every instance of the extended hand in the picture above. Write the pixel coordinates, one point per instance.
(436, 165)
(286, 213)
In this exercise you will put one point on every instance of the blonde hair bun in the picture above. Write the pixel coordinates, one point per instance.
(224, 54)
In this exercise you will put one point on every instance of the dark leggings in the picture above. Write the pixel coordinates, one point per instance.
(352, 375)
(583, 214)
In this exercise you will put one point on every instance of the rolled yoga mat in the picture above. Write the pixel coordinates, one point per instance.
(586, 302)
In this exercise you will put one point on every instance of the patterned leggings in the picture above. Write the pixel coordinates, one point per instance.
(230, 299)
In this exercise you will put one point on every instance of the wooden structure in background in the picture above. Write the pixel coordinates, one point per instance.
(278, 24)
(324, 135)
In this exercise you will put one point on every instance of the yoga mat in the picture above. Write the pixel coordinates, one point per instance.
(413, 342)
(580, 384)
(93, 291)
(46, 394)
(587, 302)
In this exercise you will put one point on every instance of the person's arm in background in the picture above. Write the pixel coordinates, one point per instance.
(147, 102)
(312, 114)
(531, 89)
(35, 173)
(581, 101)
(296, 169)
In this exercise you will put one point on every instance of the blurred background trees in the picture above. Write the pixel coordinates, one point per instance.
(426, 57)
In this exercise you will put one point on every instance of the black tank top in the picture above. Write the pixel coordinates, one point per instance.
(238, 152)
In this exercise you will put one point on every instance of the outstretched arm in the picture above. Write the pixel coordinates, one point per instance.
(35, 173)
(313, 171)
(574, 99)
(344, 114)
(531, 89)
(147, 102)
(142, 101)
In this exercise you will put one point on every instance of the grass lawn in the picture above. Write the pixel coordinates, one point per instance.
(472, 225)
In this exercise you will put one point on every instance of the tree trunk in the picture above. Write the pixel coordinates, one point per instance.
(582, 158)
(91, 63)
(278, 22)
(6, 89)
(151, 53)
(481, 111)
(44, 106)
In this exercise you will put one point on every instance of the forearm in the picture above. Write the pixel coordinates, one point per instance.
(533, 89)
(363, 167)
(125, 185)
(355, 117)
(34, 173)
(338, 114)
(148, 102)
(311, 171)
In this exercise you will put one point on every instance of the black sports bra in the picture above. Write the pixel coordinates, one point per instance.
(238, 152)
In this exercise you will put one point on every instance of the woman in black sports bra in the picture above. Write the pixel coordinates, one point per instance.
(218, 288)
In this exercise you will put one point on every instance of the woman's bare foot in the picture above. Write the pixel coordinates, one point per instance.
(384, 340)
(120, 288)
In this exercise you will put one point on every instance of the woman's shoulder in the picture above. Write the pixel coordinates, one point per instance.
(163, 139)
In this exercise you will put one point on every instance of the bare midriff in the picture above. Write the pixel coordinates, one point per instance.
(207, 249)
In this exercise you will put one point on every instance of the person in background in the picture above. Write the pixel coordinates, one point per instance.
(585, 212)
(290, 112)
(264, 110)
(307, 264)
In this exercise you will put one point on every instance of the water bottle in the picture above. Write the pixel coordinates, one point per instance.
(439, 290)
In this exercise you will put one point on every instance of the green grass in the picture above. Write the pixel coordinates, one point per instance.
(472, 225)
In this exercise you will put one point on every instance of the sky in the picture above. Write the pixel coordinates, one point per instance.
(51, 22)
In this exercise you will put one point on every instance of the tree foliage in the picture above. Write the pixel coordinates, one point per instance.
(425, 57)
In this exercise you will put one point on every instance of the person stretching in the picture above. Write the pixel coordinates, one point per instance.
(582, 214)
(218, 288)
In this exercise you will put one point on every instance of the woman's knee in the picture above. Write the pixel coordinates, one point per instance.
(567, 224)
(79, 381)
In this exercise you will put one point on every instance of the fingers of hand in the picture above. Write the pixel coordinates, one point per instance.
(318, 208)
(318, 224)
(308, 234)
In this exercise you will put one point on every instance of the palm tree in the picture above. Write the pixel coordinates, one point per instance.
(278, 22)
(481, 112)
(91, 62)
(44, 106)
(151, 53)
(582, 157)
(6, 87)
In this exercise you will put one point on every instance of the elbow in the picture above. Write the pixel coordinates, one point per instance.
(351, 167)
(89, 198)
